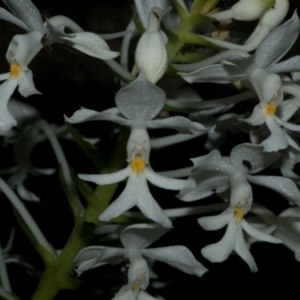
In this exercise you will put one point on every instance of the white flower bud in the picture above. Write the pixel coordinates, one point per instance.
(151, 56)
(245, 10)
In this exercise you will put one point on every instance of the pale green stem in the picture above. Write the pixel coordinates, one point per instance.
(62, 161)
(3, 273)
(20, 208)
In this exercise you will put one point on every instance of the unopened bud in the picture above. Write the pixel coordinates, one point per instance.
(151, 55)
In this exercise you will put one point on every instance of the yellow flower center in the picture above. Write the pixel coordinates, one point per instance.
(270, 109)
(15, 70)
(138, 165)
(238, 214)
(136, 287)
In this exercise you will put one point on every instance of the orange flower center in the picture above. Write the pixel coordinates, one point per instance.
(238, 214)
(270, 109)
(138, 165)
(15, 70)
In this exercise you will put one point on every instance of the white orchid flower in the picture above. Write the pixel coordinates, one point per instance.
(137, 105)
(131, 294)
(259, 68)
(245, 10)
(285, 226)
(233, 240)
(136, 192)
(26, 15)
(215, 174)
(135, 239)
(269, 20)
(20, 52)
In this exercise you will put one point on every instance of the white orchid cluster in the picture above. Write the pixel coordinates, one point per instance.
(157, 91)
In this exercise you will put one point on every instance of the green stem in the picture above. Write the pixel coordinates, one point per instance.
(57, 275)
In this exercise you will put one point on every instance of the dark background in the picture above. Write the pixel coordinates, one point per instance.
(69, 79)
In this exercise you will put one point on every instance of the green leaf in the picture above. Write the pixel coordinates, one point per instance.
(203, 6)
(195, 39)
(47, 257)
(181, 9)
(89, 149)
(73, 202)
(188, 57)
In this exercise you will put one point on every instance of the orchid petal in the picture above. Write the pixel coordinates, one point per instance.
(27, 12)
(215, 222)
(148, 205)
(277, 140)
(178, 257)
(23, 48)
(106, 178)
(124, 202)
(140, 100)
(215, 73)
(213, 162)
(288, 108)
(6, 90)
(207, 184)
(257, 117)
(287, 125)
(287, 66)
(251, 158)
(140, 236)
(90, 44)
(181, 124)
(241, 249)
(84, 115)
(283, 186)
(220, 251)
(167, 183)
(26, 84)
(277, 43)
(94, 256)
(7, 16)
(259, 235)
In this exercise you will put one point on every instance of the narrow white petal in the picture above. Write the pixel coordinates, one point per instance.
(26, 84)
(290, 126)
(140, 236)
(242, 250)
(6, 90)
(91, 44)
(167, 183)
(283, 186)
(94, 256)
(287, 66)
(178, 257)
(215, 222)
(27, 12)
(124, 202)
(278, 42)
(148, 205)
(85, 115)
(181, 124)
(261, 236)
(26, 195)
(7, 16)
(220, 251)
(215, 73)
(104, 179)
